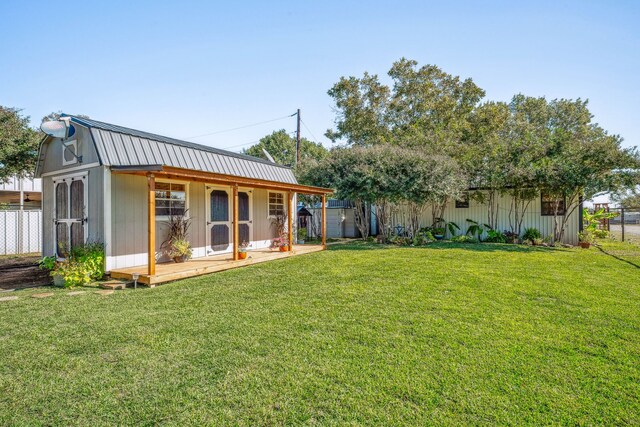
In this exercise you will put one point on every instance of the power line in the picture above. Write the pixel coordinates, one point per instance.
(309, 130)
(240, 127)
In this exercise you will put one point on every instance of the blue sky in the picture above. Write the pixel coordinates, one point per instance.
(190, 68)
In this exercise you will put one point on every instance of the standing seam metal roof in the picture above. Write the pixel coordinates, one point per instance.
(120, 146)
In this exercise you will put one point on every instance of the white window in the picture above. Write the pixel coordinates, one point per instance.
(276, 204)
(171, 199)
(69, 152)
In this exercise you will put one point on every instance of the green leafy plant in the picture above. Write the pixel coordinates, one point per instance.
(531, 235)
(463, 238)
(48, 263)
(445, 226)
(495, 236)
(302, 234)
(180, 248)
(83, 264)
(592, 220)
(476, 229)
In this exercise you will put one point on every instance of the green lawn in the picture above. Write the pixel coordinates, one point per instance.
(358, 335)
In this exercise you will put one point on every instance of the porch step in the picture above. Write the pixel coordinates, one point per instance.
(114, 284)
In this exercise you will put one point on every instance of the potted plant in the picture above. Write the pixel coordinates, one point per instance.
(281, 243)
(302, 235)
(180, 250)
(438, 232)
(176, 245)
(585, 238)
(242, 250)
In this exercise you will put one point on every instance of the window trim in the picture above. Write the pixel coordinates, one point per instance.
(165, 218)
(65, 146)
(284, 203)
(542, 202)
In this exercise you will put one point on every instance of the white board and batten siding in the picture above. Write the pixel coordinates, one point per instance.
(479, 212)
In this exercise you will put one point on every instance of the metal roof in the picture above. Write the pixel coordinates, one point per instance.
(121, 146)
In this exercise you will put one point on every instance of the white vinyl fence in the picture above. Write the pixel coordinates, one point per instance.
(20, 232)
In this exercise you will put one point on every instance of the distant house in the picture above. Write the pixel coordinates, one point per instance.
(21, 193)
(107, 183)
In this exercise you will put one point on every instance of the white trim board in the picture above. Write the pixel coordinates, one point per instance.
(61, 172)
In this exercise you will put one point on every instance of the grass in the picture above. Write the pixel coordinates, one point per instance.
(358, 335)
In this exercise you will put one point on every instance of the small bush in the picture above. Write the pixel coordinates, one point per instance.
(464, 239)
(601, 234)
(531, 235)
(83, 264)
(495, 236)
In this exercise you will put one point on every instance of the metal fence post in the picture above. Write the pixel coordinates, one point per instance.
(622, 221)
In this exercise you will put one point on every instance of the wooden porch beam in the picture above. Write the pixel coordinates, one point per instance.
(290, 220)
(214, 178)
(236, 230)
(324, 221)
(151, 223)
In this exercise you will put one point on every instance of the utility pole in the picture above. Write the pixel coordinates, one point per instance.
(298, 139)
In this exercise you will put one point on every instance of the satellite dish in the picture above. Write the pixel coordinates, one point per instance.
(266, 153)
(55, 128)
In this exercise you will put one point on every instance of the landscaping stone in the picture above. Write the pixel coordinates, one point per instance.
(105, 292)
(76, 293)
(42, 295)
(113, 284)
(8, 298)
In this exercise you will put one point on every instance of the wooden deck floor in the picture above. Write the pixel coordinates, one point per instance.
(166, 272)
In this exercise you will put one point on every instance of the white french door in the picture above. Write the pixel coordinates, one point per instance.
(219, 219)
(245, 216)
(70, 212)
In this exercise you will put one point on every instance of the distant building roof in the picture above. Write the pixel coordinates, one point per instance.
(121, 146)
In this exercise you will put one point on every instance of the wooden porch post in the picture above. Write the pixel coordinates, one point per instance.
(236, 230)
(151, 207)
(290, 221)
(324, 221)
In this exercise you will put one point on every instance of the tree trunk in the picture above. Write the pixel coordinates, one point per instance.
(362, 217)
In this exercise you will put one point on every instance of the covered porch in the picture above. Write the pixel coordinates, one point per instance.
(233, 195)
(168, 271)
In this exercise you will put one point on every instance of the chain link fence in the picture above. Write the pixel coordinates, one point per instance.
(20, 232)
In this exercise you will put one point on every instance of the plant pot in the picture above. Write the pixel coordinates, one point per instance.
(439, 236)
(242, 255)
(301, 242)
(585, 245)
(284, 248)
(181, 258)
(58, 280)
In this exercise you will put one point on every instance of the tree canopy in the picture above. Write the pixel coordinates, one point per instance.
(430, 118)
(18, 144)
(282, 148)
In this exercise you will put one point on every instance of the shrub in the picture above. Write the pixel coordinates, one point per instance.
(83, 264)
(601, 234)
(495, 236)
(464, 239)
(531, 235)
(511, 237)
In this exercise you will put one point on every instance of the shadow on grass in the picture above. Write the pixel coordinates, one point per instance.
(477, 247)
(612, 255)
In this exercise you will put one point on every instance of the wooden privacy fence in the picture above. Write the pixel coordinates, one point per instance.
(20, 232)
